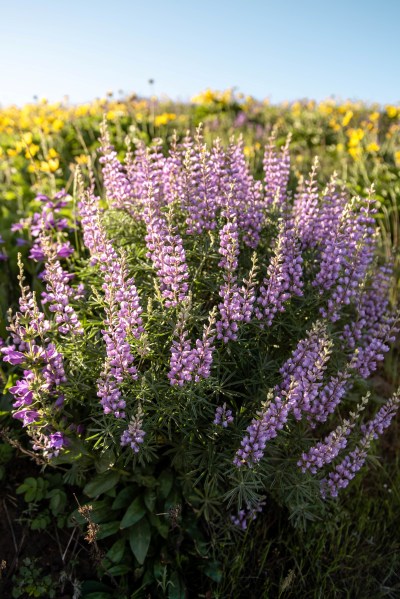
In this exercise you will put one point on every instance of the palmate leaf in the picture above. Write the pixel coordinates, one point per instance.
(139, 539)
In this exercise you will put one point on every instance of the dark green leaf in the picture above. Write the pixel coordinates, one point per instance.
(134, 513)
(115, 554)
(139, 539)
(176, 590)
(118, 570)
(213, 571)
(101, 483)
(108, 529)
(165, 481)
(124, 498)
(150, 498)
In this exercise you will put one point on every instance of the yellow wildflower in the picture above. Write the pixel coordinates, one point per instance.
(248, 151)
(347, 118)
(82, 159)
(57, 125)
(397, 158)
(32, 150)
(355, 135)
(27, 138)
(333, 124)
(373, 147)
(325, 108)
(53, 164)
(52, 153)
(391, 111)
(355, 152)
(164, 119)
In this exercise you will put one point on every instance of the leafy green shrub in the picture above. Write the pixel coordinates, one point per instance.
(204, 347)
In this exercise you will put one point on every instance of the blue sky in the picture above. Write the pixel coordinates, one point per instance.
(283, 50)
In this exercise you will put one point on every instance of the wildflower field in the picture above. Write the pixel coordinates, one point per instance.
(199, 323)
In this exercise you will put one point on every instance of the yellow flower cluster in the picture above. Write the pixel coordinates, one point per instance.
(210, 97)
(164, 118)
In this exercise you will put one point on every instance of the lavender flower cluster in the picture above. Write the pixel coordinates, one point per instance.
(320, 266)
(122, 309)
(40, 390)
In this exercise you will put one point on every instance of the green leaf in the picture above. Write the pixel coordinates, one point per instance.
(213, 571)
(139, 539)
(101, 483)
(176, 590)
(124, 498)
(58, 500)
(108, 529)
(165, 481)
(98, 595)
(150, 498)
(92, 589)
(134, 513)
(162, 526)
(118, 570)
(116, 553)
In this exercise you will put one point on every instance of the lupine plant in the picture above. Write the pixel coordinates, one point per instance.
(202, 335)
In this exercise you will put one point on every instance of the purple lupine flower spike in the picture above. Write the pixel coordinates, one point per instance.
(134, 434)
(306, 208)
(123, 311)
(223, 416)
(344, 472)
(284, 274)
(118, 188)
(58, 290)
(325, 452)
(277, 170)
(167, 254)
(189, 363)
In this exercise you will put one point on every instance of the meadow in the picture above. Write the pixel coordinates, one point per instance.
(199, 330)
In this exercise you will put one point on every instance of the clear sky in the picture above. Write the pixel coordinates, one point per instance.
(279, 49)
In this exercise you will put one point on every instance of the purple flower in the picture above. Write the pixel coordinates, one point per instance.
(223, 416)
(56, 440)
(246, 515)
(383, 418)
(22, 390)
(328, 398)
(117, 186)
(277, 170)
(189, 363)
(134, 434)
(242, 195)
(325, 452)
(284, 274)
(306, 208)
(344, 472)
(27, 416)
(12, 356)
(122, 308)
(36, 253)
(168, 256)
